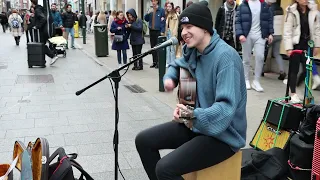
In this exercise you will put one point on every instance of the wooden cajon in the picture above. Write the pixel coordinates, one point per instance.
(229, 169)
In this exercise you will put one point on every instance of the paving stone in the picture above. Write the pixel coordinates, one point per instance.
(140, 108)
(36, 108)
(98, 105)
(37, 115)
(51, 122)
(5, 89)
(95, 149)
(68, 149)
(67, 107)
(101, 163)
(22, 79)
(38, 98)
(29, 132)
(6, 144)
(16, 124)
(145, 115)
(70, 129)
(73, 139)
(14, 116)
(2, 104)
(76, 120)
(25, 90)
(77, 113)
(10, 110)
(133, 159)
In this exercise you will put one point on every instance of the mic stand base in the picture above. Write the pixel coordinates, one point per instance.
(116, 78)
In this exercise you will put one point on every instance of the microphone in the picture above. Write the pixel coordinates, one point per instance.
(172, 41)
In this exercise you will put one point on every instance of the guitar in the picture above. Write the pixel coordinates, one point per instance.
(187, 91)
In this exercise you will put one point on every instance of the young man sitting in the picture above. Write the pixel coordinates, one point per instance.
(216, 128)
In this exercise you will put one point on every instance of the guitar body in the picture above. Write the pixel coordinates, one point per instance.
(187, 92)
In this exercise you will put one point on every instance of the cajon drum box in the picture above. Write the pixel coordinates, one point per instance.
(229, 169)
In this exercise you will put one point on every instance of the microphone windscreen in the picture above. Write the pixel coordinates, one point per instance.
(174, 40)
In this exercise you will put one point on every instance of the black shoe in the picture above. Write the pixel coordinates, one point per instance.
(135, 68)
(139, 68)
(282, 76)
(262, 74)
(156, 66)
(153, 65)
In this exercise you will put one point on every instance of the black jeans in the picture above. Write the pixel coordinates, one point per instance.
(294, 66)
(154, 34)
(136, 49)
(4, 27)
(192, 152)
(27, 35)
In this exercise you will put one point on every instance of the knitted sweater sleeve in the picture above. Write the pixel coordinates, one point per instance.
(172, 72)
(217, 118)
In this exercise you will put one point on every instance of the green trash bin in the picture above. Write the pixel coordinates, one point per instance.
(101, 40)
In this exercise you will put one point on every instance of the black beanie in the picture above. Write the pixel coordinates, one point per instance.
(197, 14)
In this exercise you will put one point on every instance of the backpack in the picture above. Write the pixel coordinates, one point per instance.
(145, 27)
(15, 23)
(264, 165)
(62, 168)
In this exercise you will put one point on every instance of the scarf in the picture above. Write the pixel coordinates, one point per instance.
(229, 6)
(119, 21)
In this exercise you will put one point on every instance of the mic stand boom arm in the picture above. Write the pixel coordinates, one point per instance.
(116, 77)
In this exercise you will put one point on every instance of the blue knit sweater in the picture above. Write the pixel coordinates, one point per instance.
(221, 91)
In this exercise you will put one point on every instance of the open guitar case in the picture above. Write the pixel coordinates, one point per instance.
(39, 153)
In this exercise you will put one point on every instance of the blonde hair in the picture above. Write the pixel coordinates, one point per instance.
(102, 18)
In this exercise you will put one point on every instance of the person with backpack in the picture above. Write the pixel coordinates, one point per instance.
(135, 29)
(15, 22)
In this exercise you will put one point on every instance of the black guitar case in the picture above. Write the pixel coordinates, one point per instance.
(47, 11)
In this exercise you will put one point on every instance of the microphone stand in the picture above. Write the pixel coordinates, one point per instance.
(116, 78)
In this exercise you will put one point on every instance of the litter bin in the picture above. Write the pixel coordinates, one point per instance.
(101, 40)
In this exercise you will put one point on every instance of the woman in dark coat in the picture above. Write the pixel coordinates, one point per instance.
(135, 28)
(118, 27)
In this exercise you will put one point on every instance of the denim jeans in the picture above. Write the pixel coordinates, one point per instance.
(171, 52)
(124, 54)
(71, 32)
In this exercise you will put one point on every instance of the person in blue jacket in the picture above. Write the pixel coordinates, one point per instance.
(135, 29)
(157, 19)
(216, 129)
(57, 21)
(254, 25)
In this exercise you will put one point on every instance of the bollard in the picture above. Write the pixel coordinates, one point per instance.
(76, 29)
(162, 62)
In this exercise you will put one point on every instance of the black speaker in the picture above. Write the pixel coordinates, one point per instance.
(300, 158)
(291, 117)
